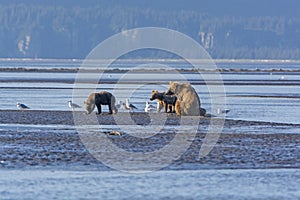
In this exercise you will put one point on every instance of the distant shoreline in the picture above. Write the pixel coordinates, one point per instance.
(118, 70)
(99, 66)
(149, 60)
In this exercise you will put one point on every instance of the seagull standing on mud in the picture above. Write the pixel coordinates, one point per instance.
(21, 106)
(119, 104)
(129, 106)
(73, 105)
(149, 107)
(219, 111)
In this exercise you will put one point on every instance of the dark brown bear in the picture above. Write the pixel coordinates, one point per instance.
(98, 99)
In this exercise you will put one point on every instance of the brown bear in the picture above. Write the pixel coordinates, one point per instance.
(98, 99)
(166, 101)
(188, 101)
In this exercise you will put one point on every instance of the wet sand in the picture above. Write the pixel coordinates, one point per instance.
(61, 147)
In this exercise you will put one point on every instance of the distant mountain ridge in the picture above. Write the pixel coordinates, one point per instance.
(246, 8)
(231, 29)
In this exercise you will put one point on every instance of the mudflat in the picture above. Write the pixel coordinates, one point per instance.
(49, 139)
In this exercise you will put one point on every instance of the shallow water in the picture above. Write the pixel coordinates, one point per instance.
(255, 96)
(190, 184)
(50, 162)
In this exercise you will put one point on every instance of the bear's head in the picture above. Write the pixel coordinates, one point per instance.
(154, 95)
(90, 103)
(176, 87)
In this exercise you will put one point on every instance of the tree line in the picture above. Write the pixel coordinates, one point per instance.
(53, 31)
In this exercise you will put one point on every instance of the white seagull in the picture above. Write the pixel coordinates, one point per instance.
(149, 107)
(119, 104)
(21, 106)
(73, 105)
(129, 106)
(219, 111)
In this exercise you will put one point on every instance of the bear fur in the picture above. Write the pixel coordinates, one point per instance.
(188, 101)
(100, 98)
(166, 101)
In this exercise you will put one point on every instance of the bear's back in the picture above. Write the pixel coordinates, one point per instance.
(188, 98)
(104, 98)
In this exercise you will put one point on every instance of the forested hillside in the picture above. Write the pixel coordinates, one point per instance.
(42, 29)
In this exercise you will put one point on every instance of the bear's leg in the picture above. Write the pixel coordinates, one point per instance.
(177, 108)
(173, 107)
(160, 106)
(166, 107)
(99, 109)
(114, 108)
(170, 108)
(109, 108)
(113, 105)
